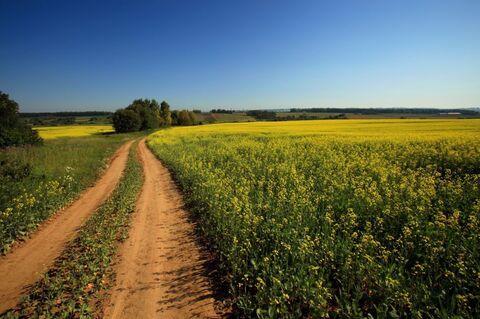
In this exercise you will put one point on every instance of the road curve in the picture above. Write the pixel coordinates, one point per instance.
(160, 272)
(24, 265)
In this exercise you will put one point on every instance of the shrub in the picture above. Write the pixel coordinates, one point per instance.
(125, 120)
(165, 114)
(13, 131)
(185, 118)
(14, 169)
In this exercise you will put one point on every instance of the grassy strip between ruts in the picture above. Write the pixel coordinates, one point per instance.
(74, 286)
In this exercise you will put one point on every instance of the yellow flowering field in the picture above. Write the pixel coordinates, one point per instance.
(337, 218)
(51, 132)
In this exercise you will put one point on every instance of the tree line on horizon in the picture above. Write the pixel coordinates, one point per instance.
(145, 114)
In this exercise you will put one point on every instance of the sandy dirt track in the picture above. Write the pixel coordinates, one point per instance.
(25, 264)
(160, 270)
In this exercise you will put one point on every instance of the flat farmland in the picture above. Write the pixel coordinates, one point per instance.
(337, 218)
(51, 132)
(296, 219)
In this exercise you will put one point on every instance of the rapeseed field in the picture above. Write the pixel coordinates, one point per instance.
(51, 132)
(344, 219)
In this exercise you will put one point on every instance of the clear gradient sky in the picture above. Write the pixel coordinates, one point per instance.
(85, 55)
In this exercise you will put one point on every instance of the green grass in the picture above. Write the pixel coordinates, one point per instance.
(341, 219)
(37, 181)
(74, 286)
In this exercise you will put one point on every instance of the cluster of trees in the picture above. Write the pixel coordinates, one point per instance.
(262, 114)
(14, 131)
(144, 114)
(224, 111)
(183, 118)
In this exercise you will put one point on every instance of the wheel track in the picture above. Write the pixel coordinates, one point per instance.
(161, 269)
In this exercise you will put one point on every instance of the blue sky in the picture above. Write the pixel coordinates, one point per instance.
(86, 55)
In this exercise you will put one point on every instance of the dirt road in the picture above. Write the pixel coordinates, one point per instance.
(160, 273)
(25, 264)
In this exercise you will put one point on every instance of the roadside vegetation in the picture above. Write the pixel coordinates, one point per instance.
(37, 181)
(80, 277)
(339, 218)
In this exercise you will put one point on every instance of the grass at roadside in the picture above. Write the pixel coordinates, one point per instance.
(37, 181)
(75, 284)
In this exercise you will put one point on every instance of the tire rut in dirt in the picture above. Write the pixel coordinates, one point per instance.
(161, 268)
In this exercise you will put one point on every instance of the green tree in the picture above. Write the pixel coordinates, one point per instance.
(8, 111)
(185, 118)
(165, 114)
(126, 120)
(174, 116)
(154, 113)
(13, 131)
(148, 111)
(191, 115)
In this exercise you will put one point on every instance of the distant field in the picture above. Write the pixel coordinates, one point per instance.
(237, 116)
(51, 132)
(223, 117)
(337, 218)
(360, 129)
(62, 119)
(101, 119)
(374, 116)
